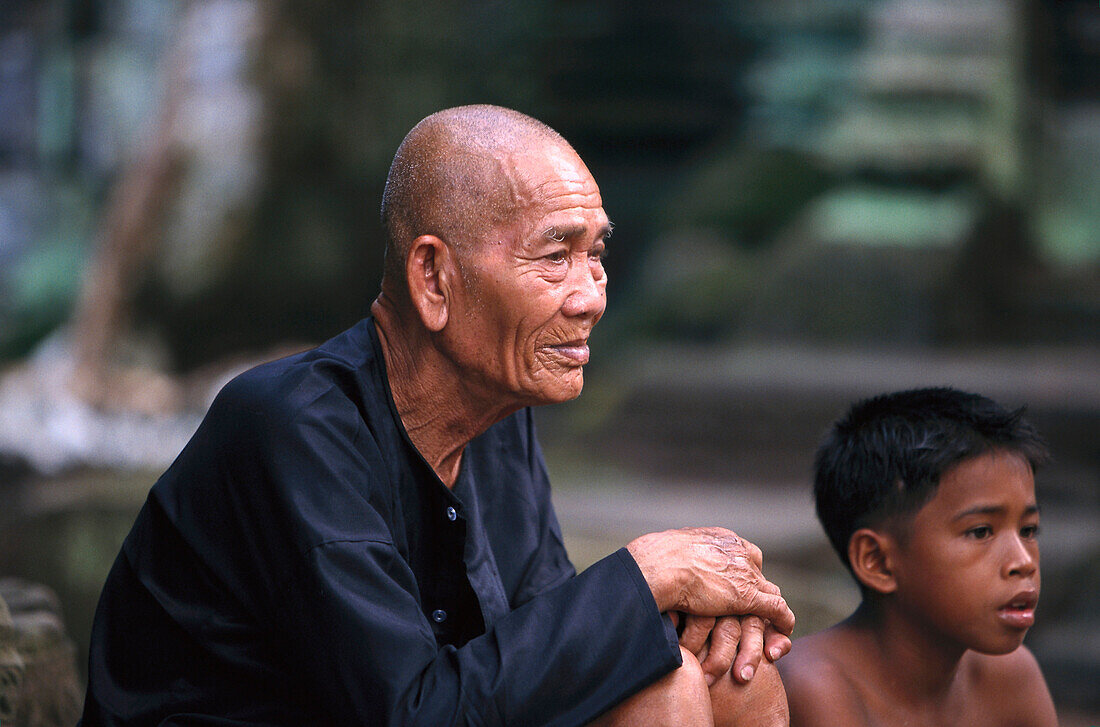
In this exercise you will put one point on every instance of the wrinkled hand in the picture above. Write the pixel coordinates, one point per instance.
(730, 643)
(714, 576)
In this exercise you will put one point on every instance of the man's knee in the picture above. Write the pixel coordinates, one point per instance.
(678, 698)
(688, 683)
(760, 703)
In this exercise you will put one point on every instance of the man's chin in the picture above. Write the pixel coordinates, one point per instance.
(563, 389)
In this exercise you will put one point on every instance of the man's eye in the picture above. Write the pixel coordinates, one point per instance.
(980, 533)
(557, 257)
(1029, 531)
(598, 253)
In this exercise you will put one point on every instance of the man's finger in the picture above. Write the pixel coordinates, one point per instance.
(724, 638)
(768, 587)
(750, 649)
(773, 608)
(776, 645)
(696, 631)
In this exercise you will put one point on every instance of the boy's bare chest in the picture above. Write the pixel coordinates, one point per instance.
(962, 708)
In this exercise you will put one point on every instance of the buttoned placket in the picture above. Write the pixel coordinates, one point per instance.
(439, 615)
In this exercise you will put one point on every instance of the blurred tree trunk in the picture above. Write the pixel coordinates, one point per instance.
(131, 232)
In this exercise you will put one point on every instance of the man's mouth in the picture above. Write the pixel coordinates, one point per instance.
(576, 351)
(1020, 611)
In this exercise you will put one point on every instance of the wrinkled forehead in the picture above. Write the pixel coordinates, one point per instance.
(551, 178)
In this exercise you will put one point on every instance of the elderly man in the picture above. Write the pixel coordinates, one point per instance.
(362, 534)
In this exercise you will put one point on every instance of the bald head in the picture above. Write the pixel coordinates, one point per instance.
(451, 178)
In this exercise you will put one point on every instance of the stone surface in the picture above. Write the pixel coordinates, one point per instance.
(39, 686)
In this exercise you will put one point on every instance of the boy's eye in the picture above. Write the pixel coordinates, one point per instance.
(980, 533)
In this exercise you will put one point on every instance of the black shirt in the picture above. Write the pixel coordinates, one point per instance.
(300, 563)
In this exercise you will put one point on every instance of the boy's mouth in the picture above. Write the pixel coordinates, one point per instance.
(1020, 611)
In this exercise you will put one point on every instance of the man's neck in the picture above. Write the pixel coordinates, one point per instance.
(439, 409)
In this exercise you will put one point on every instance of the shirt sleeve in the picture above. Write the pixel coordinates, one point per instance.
(561, 659)
(351, 614)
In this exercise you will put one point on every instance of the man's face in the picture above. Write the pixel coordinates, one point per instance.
(969, 568)
(532, 289)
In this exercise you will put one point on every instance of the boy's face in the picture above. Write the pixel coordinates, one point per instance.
(969, 566)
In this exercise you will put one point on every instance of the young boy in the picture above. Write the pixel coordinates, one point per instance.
(928, 497)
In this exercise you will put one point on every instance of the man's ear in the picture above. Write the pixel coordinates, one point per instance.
(428, 273)
(871, 555)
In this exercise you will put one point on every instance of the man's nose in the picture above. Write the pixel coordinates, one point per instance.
(586, 296)
(1022, 558)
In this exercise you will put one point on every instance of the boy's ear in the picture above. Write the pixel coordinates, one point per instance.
(871, 555)
(427, 272)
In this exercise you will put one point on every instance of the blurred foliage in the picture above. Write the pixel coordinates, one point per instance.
(44, 281)
(697, 287)
(635, 87)
(779, 133)
(746, 193)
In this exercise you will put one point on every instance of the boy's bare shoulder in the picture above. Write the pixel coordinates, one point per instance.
(819, 682)
(1011, 685)
(827, 683)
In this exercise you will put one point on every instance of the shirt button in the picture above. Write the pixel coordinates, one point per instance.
(439, 615)
(452, 514)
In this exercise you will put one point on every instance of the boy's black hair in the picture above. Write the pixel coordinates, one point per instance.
(884, 458)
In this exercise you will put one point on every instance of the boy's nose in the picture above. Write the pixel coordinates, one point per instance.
(1022, 558)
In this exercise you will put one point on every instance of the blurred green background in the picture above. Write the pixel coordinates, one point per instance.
(813, 202)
